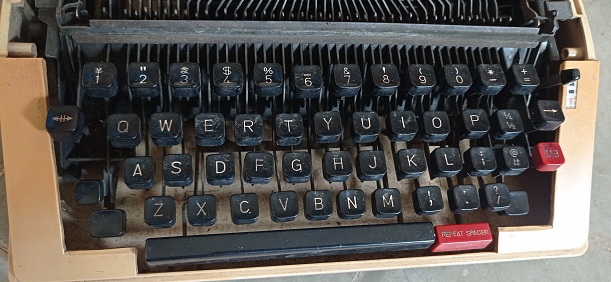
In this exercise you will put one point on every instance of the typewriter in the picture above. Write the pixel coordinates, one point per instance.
(205, 140)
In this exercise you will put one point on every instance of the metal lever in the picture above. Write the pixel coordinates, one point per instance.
(565, 77)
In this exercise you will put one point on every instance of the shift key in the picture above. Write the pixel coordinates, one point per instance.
(462, 237)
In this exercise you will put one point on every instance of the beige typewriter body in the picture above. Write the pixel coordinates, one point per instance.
(38, 251)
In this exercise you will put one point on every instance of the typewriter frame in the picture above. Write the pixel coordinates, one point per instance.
(36, 241)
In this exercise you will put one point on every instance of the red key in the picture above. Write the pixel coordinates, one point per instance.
(547, 156)
(461, 237)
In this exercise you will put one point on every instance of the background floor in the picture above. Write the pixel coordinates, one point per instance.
(593, 266)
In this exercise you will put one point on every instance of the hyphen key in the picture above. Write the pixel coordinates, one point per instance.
(462, 237)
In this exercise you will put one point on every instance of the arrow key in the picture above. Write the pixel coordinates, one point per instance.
(546, 115)
(65, 123)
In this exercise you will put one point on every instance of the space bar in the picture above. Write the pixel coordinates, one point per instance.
(289, 243)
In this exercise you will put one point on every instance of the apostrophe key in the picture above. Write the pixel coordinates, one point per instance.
(268, 79)
(228, 79)
(185, 79)
(100, 80)
(307, 81)
(65, 123)
(144, 79)
(123, 130)
(385, 79)
(346, 80)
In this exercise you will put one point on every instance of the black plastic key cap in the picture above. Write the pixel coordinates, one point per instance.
(289, 129)
(546, 115)
(327, 127)
(370, 165)
(456, 80)
(288, 243)
(385, 79)
(346, 80)
(248, 129)
(365, 127)
(386, 203)
(258, 167)
(201, 210)
(523, 79)
(410, 163)
(65, 123)
(474, 124)
(139, 172)
(185, 80)
(463, 198)
(519, 204)
(209, 129)
(479, 161)
(107, 223)
(160, 212)
(436, 126)
(445, 162)
(337, 166)
(268, 79)
(296, 167)
(427, 200)
(284, 206)
(506, 124)
(220, 169)
(100, 80)
(422, 79)
(490, 79)
(511, 160)
(178, 170)
(318, 204)
(144, 79)
(350, 204)
(88, 192)
(166, 129)
(494, 197)
(123, 130)
(228, 79)
(307, 81)
(401, 126)
(244, 208)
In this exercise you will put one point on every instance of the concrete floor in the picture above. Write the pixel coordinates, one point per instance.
(593, 266)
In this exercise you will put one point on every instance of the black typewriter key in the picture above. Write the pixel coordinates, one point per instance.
(220, 169)
(289, 129)
(318, 204)
(490, 79)
(546, 115)
(284, 206)
(139, 172)
(494, 197)
(385, 79)
(244, 208)
(336, 166)
(365, 127)
(479, 161)
(519, 204)
(65, 123)
(185, 79)
(386, 203)
(422, 79)
(410, 163)
(166, 129)
(370, 165)
(88, 192)
(99, 80)
(463, 198)
(401, 126)
(307, 82)
(296, 167)
(248, 129)
(201, 210)
(456, 80)
(350, 204)
(523, 79)
(178, 170)
(474, 124)
(511, 160)
(258, 167)
(268, 79)
(427, 200)
(123, 130)
(160, 212)
(436, 126)
(228, 79)
(346, 80)
(209, 129)
(445, 162)
(107, 223)
(506, 124)
(327, 127)
(144, 79)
